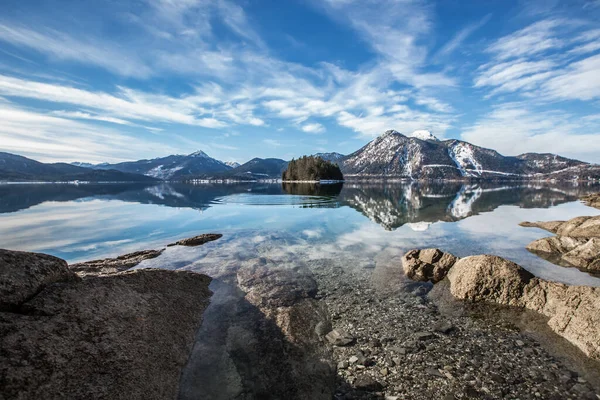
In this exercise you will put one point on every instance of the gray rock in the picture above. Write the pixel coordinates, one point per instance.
(23, 275)
(423, 336)
(367, 384)
(101, 337)
(323, 328)
(338, 337)
(197, 240)
(444, 327)
(572, 310)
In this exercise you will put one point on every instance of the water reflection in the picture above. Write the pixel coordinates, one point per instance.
(311, 222)
(389, 205)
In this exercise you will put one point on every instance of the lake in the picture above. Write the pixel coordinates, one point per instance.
(354, 224)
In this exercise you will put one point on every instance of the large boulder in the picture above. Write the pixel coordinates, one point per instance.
(23, 275)
(488, 278)
(123, 336)
(427, 265)
(573, 311)
(113, 265)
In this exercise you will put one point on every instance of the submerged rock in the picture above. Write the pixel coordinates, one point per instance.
(106, 337)
(197, 240)
(427, 265)
(286, 296)
(113, 265)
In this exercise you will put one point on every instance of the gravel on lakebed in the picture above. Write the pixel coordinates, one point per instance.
(409, 345)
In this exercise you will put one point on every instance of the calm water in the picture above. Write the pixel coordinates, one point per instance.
(356, 225)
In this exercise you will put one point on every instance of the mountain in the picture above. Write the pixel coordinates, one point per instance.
(174, 167)
(331, 157)
(14, 168)
(256, 169)
(423, 156)
(232, 164)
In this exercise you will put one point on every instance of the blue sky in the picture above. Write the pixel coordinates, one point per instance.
(121, 80)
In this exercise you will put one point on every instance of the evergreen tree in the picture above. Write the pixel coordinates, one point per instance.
(310, 168)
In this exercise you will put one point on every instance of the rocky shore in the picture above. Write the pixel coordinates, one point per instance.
(428, 326)
(406, 341)
(92, 331)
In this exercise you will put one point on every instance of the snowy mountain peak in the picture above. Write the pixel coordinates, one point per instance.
(232, 164)
(423, 135)
(391, 132)
(199, 153)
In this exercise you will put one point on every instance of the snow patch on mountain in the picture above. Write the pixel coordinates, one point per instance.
(232, 164)
(462, 154)
(423, 134)
(161, 172)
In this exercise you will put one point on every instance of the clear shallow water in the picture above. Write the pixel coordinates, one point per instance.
(357, 225)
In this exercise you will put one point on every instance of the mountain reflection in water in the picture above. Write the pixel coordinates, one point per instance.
(389, 205)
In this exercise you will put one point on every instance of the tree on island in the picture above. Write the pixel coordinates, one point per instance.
(311, 168)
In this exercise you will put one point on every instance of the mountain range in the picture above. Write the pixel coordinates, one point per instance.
(21, 169)
(419, 156)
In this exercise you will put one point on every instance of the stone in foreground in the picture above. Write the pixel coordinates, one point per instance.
(338, 337)
(122, 336)
(23, 275)
(574, 311)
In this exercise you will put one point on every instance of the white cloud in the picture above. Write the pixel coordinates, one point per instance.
(514, 128)
(536, 38)
(580, 80)
(64, 47)
(51, 138)
(313, 128)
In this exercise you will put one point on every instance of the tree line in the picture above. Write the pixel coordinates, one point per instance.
(311, 168)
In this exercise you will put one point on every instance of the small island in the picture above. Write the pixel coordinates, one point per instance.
(312, 169)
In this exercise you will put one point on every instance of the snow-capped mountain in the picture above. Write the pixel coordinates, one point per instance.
(197, 164)
(232, 164)
(423, 156)
(331, 157)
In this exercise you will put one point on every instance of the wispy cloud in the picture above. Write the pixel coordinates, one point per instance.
(313, 128)
(65, 47)
(51, 138)
(453, 44)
